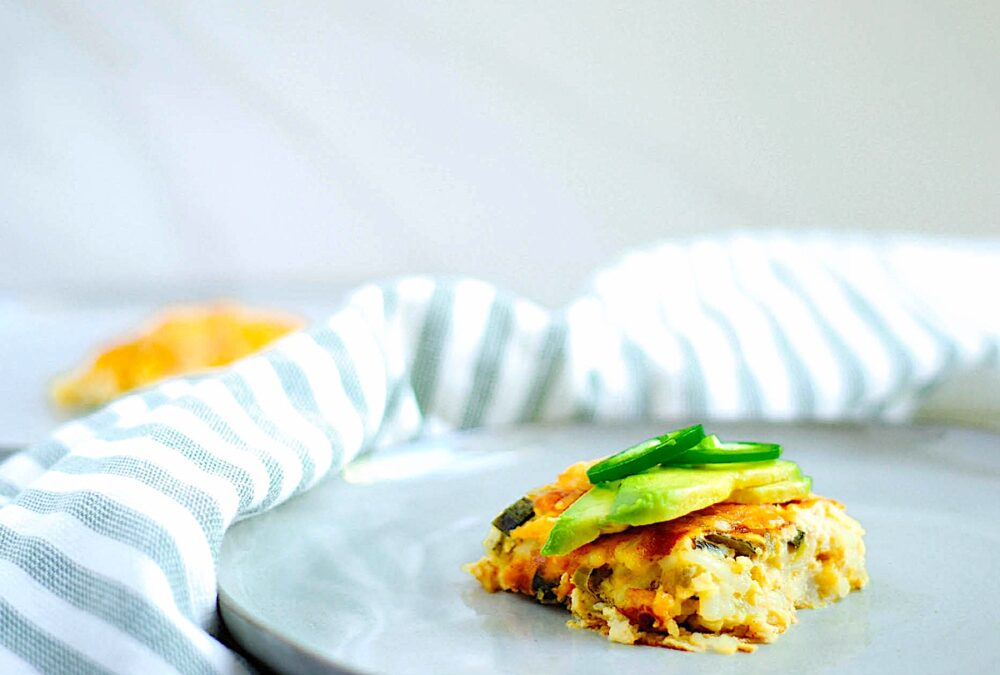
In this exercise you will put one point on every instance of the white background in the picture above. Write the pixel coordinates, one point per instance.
(182, 148)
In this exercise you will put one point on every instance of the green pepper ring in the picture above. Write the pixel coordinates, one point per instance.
(646, 455)
(725, 453)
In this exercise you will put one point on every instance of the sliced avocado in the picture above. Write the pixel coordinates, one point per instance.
(658, 495)
(762, 473)
(584, 521)
(667, 493)
(773, 493)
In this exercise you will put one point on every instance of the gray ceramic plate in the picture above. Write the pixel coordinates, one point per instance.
(363, 573)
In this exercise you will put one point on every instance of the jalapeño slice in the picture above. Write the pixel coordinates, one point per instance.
(646, 455)
(713, 451)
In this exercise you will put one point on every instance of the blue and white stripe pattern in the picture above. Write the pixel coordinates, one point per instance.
(110, 529)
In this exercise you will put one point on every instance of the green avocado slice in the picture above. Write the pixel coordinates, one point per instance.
(666, 493)
(761, 473)
(658, 495)
(584, 521)
(773, 493)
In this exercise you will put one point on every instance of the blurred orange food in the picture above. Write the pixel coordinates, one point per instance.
(178, 340)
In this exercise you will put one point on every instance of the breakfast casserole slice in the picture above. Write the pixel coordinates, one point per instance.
(724, 577)
(177, 341)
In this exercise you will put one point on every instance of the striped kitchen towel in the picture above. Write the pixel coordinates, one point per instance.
(109, 530)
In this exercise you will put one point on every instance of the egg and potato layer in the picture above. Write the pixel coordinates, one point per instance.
(725, 577)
